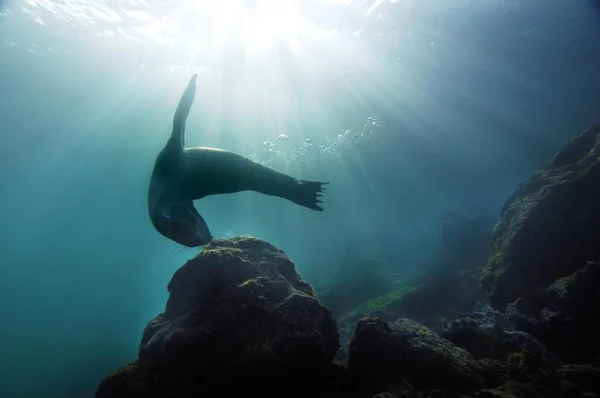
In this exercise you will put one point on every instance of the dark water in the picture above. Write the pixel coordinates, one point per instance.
(408, 109)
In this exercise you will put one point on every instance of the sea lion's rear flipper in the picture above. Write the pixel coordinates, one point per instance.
(182, 112)
(309, 194)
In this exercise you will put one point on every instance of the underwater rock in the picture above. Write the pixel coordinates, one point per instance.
(576, 295)
(385, 395)
(238, 313)
(549, 225)
(383, 307)
(531, 367)
(495, 372)
(566, 316)
(382, 354)
(585, 377)
(523, 314)
(503, 353)
(399, 389)
(440, 394)
(516, 389)
(346, 326)
(571, 315)
(485, 335)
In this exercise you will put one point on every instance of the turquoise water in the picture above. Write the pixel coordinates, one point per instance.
(407, 108)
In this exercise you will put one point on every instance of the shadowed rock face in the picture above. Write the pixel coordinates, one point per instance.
(237, 313)
(503, 352)
(567, 315)
(549, 227)
(382, 354)
(240, 321)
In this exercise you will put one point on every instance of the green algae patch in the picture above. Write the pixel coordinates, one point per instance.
(244, 239)
(548, 226)
(387, 301)
(382, 303)
(126, 370)
(490, 276)
(222, 252)
(249, 283)
(304, 287)
(128, 381)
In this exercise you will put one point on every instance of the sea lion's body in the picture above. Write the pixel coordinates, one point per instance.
(182, 175)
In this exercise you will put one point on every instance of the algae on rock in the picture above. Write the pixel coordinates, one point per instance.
(549, 226)
(237, 313)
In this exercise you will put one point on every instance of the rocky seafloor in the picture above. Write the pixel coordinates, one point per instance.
(511, 311)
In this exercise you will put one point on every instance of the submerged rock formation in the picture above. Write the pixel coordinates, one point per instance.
(237, 313)
(506, 354)
(566, 316)
(240, 321)
(487, 334)
(448, 287)
(549, 227)
(384, 354)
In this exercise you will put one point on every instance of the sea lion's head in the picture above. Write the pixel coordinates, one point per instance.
(180, 222)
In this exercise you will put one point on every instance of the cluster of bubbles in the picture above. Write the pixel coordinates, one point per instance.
(287, 150)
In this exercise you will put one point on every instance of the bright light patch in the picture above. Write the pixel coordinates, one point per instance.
(271, 21)
(205, 27)
(258, 26)
(217, 35)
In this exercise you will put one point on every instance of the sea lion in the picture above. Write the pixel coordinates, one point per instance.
(182, 175)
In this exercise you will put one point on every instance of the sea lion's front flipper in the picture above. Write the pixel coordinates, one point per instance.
(181, 222)
(182, 112)
(308, 194)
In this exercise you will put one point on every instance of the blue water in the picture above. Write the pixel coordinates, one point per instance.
(407, 108)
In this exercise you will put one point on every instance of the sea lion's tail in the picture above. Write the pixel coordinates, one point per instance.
(309, 194)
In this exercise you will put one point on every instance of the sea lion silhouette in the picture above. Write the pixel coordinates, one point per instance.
(182, 175)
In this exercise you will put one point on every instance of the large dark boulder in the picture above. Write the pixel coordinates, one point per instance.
(382, 354)
(517, 389)
(549, 226)
(237, 314)
(566, 316)
(486, 334)
(504, 353)
(570, 381)
(585, 377)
